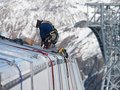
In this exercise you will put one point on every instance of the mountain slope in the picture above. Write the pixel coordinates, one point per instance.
(17, 18)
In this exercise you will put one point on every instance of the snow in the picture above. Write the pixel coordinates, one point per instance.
(84, 45)
(21, 16)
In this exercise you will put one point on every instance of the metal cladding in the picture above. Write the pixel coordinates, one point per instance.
(24, 67)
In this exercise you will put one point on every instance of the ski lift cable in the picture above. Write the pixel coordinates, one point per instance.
(20, 74)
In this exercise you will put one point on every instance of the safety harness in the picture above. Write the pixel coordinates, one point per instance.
(51, 38)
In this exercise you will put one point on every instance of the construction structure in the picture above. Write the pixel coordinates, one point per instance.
(25, 67)
(104, 20)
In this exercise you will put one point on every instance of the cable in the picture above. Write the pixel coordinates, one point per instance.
(20, 74)
(52, 67)
(59, 72)
(39, 51)
(67, 72)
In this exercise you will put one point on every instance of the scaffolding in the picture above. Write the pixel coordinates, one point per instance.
(104, 20)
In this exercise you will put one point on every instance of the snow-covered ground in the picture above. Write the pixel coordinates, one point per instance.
(19, 17)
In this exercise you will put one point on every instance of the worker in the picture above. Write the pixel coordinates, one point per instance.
(48, 33)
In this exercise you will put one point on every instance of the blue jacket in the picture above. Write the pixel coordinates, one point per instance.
(45, 28)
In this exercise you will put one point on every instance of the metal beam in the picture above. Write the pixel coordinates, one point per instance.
(106, 16)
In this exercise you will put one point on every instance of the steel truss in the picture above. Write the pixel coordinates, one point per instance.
(104, 20)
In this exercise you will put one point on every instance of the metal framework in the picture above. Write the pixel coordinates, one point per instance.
(104, 20)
